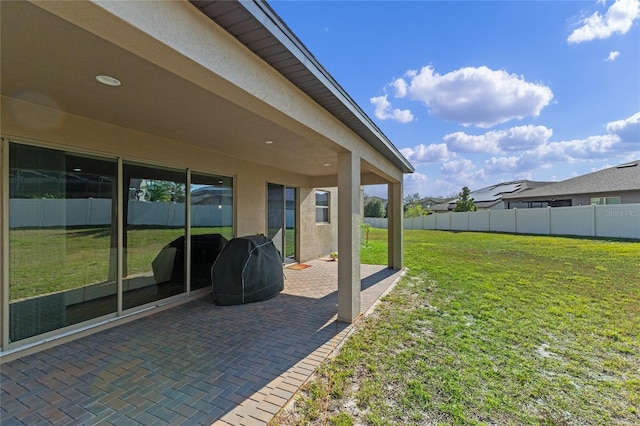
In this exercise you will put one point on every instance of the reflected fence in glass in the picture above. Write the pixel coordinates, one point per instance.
(62, 245)
(211, 223)
(63, 236)
(154, 214)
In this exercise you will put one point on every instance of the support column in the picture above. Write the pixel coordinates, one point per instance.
(349, 218)
(395, 217)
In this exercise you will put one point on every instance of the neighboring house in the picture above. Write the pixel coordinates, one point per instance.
(217, 101)
(429, 202)
(491, 197)
(443, 207)
(614, 185)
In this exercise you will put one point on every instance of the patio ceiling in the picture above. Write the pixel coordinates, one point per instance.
(50, 61)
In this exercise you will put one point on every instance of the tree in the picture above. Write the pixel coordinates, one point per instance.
(165, 191)
(374, 208)
(366, 229)
(411, 199)
(416, 211)
(464, 203)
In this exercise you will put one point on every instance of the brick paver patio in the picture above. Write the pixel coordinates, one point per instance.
(196, 363)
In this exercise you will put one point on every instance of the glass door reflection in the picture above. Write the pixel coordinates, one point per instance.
(154, 249)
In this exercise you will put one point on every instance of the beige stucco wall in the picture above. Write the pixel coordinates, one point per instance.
(179, 38)
(176, 37)
(75, 133)
(318, 239)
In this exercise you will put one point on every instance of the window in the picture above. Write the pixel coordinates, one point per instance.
(62, 239)
(153, 241)
(63, 236)
(600, 201)
(211, 223)
(322, 206)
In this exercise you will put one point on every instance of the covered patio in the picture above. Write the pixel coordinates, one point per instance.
(196, 363)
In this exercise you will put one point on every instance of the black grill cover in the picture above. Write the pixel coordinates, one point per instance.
(169, 264)
(248, 269)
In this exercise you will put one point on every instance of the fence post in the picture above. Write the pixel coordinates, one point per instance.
(515, 218)
(549, 215)
(89, 210)
(593, 212)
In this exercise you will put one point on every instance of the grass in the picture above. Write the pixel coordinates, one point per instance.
(491, 329)
(51, 260)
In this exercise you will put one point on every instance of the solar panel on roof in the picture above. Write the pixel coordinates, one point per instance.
(494, 193)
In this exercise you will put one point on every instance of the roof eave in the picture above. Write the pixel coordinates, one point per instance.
(345, 109)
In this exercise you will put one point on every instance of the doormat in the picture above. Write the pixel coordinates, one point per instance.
(299, 266)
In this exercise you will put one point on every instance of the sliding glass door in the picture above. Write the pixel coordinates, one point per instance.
(211, 223)
(281, 219)
(64, 229)
(154, 214)
(62, 245)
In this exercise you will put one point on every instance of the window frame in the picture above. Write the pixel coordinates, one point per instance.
(603, 201)
(325, 211)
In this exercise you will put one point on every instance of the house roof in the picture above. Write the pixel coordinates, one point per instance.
(434, 200)
(624, 177)
(255, 24)
(442, 207)
(489, 196)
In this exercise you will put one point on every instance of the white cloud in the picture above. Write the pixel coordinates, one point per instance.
(628, 130)
(590, 148)
(523, 137)
(463, 142)
(456, 167)
(384, 111)
(612, 56)
(503, 164)
(622, 140)
(401, 87)
(474, 96)
(422, 154)
(617, 19)
(416, 182)
(462, 172)
(517, 138)
(620, 144)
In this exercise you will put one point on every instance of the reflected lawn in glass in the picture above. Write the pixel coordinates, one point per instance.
(51, 260)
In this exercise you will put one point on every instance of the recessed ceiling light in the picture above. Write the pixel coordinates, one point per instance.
(108, 80)
(77, 169)
(268, 142)
(327, 164)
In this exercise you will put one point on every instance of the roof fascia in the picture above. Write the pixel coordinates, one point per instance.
(262, 12)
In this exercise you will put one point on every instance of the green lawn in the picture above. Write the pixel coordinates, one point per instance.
(491, 329)
(50, 260)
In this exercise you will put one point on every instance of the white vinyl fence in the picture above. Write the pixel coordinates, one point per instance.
(612, 221)
(47, 212)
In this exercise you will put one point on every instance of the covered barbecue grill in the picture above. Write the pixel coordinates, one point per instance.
(248, 269)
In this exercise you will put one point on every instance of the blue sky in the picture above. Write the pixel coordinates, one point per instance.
(475, 93)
